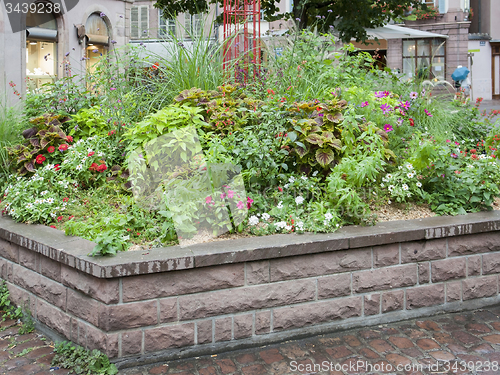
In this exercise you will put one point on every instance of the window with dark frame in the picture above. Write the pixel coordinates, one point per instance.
(424, 58)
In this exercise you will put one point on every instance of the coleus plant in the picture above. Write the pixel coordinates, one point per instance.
(43, 140)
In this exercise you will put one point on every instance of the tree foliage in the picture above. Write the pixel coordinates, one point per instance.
(348, 17)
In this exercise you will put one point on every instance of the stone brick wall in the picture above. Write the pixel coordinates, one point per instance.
(216, 296)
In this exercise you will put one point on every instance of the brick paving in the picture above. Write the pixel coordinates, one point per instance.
(445, 344)
(457, 343)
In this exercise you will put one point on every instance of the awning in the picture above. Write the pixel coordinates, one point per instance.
(97, 39)
(40, 34)
(400, 32)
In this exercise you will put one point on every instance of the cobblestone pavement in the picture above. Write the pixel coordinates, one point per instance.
(461, 343)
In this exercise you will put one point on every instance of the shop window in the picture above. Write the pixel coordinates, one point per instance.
(424, 58)
(97, 39)
(193, 24)
(41, 45)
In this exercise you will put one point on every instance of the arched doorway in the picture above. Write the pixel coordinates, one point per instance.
(97, 39)
(41, 44)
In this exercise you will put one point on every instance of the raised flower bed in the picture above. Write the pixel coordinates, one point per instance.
(171, 302)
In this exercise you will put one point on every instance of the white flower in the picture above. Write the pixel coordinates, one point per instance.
(304, 178)
(300, 225)
(37, 201)
(400, 167)
(325, 223)
(44, 192)
(12, 211)
(419, 184)
(409, 166)
(288, 227)
(299, 200)
(79, 167)
(391, 187)
(254, 220)
(280, 204)
(315, 173)
(382, 185)
(29, 205)
(286, 186)
(280, 225)
(389, 176)
(328, 216)
(410, 175)
(50, 200)
(389, 201)
(408, 195)
(405, 187)
(265, 216)
(291, 180)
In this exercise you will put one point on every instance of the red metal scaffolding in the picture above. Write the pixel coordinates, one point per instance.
(242, 46)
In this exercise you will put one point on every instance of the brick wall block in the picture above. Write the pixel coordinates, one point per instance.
(419, 251)
(474, 244)
(175, 283)
(453, 291)
(128, 315)
(74, 330)
(224, 302)
(243, 326)
(29, 258)
(204, 331)
(320, 264)
(423, 272)
(223, 329)
(131, 342)
(386, 255)
(334, 286)
(177, 336)
(316, 312)
(168, 309)
(9, 250)
(4, 265)
(42, 286)
(447, 269)
(105, 342)
(491, 263)
(262, 322)
(20, 297)
(384, 278)
(50, 268)
(54, 318)
(257, 272)
(480, 287)
(104, 290)
(372, 304)
(474, 265)
(84, 307)
(81, 332)
(424, 296)
(392, 301)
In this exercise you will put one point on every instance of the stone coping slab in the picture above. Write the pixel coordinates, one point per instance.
(72, 251)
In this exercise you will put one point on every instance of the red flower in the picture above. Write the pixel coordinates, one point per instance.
(65, 199)
(63, 147)
(60, 218)
(69, 138)
(111, 132)
(91, 153)
(101, 168)
(51, 149)
(412, 123)
(249, 202)
(40, 159)
(280, 189)
(93, 167)
(53, 226)
(57, 167)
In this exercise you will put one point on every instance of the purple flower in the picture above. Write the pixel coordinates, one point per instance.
(413, 95)
(388, 128)
(113, 41)
(102, 15)
(112, 89)
(329, 11)
(297, 19)
(454, 156)
(320, 114)
(95, 50)
(379, 94)
(427, 113)
(423, 92)
(318, 17)
(400, 121)
(385, 108)
(406, 105)
(66, 54)
(364, 104)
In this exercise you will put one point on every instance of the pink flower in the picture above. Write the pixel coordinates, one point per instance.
(230, 194)
(222, 196)
(364, 104)
(208, 200)
(448, 141)
(249, 202)
(240, 205)
(457, 144)
(388, 128)
(427, 113)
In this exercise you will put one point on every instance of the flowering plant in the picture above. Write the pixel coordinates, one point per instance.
(403, 183)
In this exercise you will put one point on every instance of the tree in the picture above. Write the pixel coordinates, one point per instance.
(348, 17)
